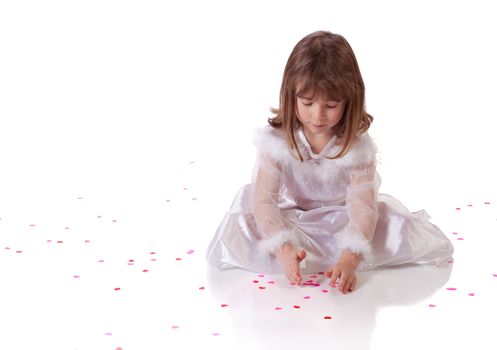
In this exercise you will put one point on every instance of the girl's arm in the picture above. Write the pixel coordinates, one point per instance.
(362, 209)
(273, 228)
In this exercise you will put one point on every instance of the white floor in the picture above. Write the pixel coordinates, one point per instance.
(62, 260)
(125, 133)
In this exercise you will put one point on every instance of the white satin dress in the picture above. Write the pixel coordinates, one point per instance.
(324, 206)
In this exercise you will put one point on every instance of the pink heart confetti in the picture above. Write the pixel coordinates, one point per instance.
(216, 334)
(168, 200)
(114, 220)
(471, 294)
(271, 282)
(60, 242)
(202, 288)
(325, 291)
(487, 203)
(7, 248)
(455, 233)
(470, 205)
(49, 241)
(145, 270)
(194, 199)
(32, 225)
(314, 276)
(224, 305)
(185, 188)
(321, 273)
(87, 241)
(191, 251)
(152, 253)
(327, 317)
(108, 333)
(131, 260)
(261, 276)
(278, 308)
(131, 264)
(67, 228)
(117, 289)
(296, 306)
(458, 208)
(178, 259)
(450, 261)
(153, 259)
(18, 251)
(119, 348)
(100, 261)
(495, 274)
(174, 327)
(262, 287)
(76, 276)
(431, 305)
(451, 288)
(307, 297)
(460, 239)
(99, 217)
(80, 197)
(255, 281)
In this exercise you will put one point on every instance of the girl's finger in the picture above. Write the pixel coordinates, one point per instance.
(344, 277)
(334, 276)
(347, 284)
(353, 285)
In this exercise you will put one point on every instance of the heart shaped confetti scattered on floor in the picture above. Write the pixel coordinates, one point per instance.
(327, 317)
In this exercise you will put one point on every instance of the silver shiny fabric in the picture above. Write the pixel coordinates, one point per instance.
(316, 209)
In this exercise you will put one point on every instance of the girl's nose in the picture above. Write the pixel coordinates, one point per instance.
(320, 112)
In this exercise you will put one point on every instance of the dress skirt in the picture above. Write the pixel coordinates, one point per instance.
(401, 237)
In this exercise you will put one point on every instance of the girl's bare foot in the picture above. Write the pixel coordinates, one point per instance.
(290, 259)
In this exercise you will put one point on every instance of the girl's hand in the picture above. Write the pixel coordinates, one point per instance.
(344, 272)
(290, 259)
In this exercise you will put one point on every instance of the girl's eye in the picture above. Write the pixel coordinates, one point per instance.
(331, 106)
(307, 103)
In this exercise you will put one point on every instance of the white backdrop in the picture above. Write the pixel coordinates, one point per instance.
(114, 96)
(142, 107)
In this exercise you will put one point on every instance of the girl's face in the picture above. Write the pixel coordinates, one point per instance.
(317, 115)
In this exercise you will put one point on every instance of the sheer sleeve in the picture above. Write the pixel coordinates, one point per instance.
(362, 209)
(274, 228)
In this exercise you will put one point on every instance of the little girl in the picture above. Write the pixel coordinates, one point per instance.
(313, 204)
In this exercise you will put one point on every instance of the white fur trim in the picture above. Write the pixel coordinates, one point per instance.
(271, 141)
(272, 244)
(362, 153)
(357, 243)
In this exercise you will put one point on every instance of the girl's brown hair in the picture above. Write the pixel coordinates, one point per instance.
(323, 63)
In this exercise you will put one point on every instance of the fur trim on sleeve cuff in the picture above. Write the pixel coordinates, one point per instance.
(358, 244)
(272, 244)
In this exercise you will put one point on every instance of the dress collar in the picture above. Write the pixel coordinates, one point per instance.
(305, 142)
